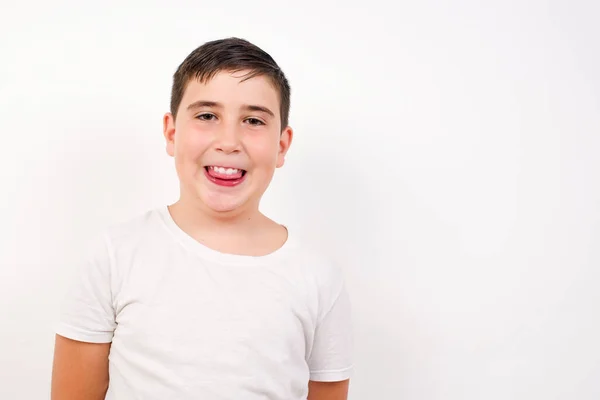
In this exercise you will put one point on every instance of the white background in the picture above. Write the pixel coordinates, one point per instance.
(447, 153)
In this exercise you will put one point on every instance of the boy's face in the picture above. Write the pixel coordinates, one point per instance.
(227, 141)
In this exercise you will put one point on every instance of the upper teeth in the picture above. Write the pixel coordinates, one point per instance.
(228, 171)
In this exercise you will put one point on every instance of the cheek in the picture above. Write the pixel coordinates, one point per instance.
(264, 151)
(191, 145)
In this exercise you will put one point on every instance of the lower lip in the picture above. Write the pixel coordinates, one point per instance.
(224, 182)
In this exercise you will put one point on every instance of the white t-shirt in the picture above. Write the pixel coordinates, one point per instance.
(188, 322)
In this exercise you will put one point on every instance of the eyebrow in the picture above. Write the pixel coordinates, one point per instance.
(204, 103)
(214, 104)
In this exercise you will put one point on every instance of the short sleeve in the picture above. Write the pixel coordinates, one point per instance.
(87, 313)
(331, 356)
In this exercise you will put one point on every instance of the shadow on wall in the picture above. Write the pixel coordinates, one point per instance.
(333, 199)
(391, 245)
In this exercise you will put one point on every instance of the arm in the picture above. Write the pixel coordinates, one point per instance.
(328, 390)
(80, 370)
(330, 360)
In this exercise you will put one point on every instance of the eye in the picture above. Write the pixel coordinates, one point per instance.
(206, 117)
(254, 121)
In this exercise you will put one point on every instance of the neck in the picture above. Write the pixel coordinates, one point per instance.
(199, 220)
(246, 232)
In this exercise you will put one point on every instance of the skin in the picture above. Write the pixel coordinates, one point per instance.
(328, 390)
(80, 370)
(228, 122)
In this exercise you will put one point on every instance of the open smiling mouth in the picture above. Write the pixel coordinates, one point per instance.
(224, 176)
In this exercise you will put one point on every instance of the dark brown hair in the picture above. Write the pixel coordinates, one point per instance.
(231, 54)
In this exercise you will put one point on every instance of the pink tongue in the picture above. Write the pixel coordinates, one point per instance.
(219, 175)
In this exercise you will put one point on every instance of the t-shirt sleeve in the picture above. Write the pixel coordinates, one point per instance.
(331, 356)
(87, 313)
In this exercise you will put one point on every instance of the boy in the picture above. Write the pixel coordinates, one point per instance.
(208, 298)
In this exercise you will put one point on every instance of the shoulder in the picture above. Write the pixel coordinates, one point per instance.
(137, 230)
(321, 266)
(113, 251)
(126, 237)
(136, 227)
(327, 277)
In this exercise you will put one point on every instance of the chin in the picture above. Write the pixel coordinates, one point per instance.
(220, 203)
(218, 200)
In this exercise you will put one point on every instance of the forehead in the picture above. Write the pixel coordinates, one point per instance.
(233, 89)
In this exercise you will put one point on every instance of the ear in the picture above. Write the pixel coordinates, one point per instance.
(285, 141)
(169, 132)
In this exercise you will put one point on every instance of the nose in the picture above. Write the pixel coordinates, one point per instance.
(228, 140)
